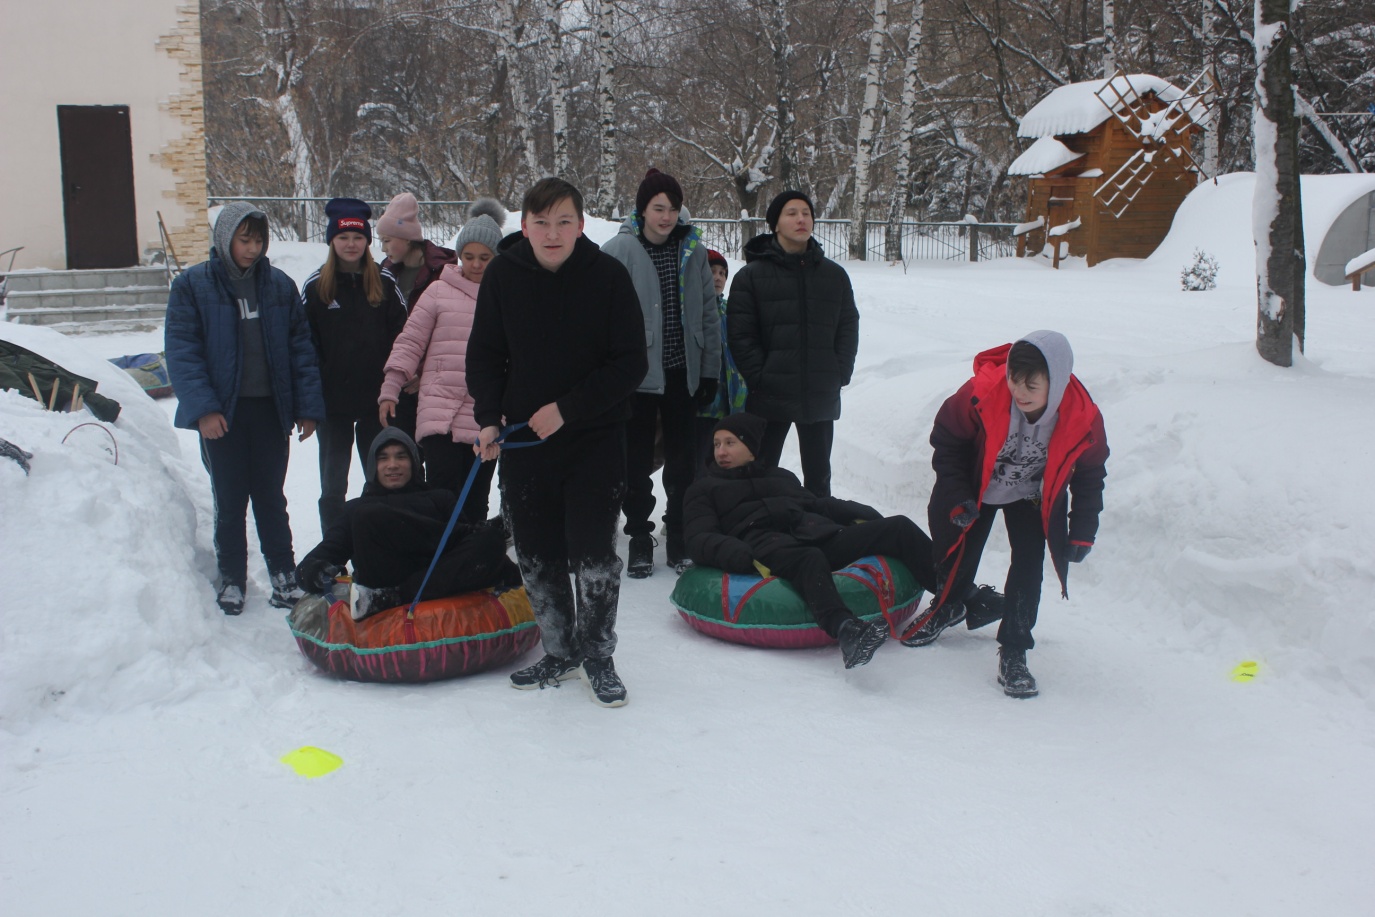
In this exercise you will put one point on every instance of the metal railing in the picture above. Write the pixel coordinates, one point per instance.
(920, 241)
(302, 219)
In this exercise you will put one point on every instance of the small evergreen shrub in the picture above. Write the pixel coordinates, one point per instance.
(1201, 274)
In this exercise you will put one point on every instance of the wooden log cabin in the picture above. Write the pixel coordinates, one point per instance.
(1097, 189)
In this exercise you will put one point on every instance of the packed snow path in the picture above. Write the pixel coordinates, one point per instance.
(141, 730)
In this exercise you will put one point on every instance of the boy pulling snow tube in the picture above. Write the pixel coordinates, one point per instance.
(768, 612)
(444, 638)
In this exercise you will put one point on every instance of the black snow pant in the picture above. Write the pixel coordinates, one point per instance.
(676, 411)
(393, 547)
(1022, 592)
(249, 463)
(813, 442)
(337, 437)
(562, 499)
(447, 464)
(808, 567)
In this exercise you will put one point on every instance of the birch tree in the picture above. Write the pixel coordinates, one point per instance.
(1277, 211)
(1210, 127)
(604, 15)
(1109, 39)
(907, 128)
(558, 85)
(508, 44)
(864, 142)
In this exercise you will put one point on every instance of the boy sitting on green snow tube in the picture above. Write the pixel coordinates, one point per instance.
(744, 516)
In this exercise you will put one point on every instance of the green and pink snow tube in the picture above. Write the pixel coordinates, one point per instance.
(768, 612)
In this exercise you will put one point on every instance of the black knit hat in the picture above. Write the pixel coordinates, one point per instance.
(745, 427)
(779, 202)
(654, 184)
(347, 214)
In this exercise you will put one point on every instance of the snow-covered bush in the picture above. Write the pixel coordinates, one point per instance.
(1201, 274)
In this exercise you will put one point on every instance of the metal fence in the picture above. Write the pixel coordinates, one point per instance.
(920, 241)
(303, 220)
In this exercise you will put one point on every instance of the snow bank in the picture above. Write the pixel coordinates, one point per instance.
(1207, 220)
(101, 558)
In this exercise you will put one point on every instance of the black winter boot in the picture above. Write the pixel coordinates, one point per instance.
(286, 592)
(983, 606)
(859, 640)
(1013, 674)
(676, 549)
(368, 602)
(229, 597)
(640, 563)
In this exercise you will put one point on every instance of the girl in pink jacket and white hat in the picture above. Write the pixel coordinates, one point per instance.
(436, 334)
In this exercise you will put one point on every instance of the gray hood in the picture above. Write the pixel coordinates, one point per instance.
(387, 436)
(231, 215)
(1054, 346)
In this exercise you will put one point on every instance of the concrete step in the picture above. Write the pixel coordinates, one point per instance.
(66, 281)
(144, 313)
(28, 300)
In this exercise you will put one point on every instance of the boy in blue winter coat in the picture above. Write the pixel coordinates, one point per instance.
(241, 361)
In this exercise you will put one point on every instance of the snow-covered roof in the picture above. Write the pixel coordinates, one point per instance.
(1076, 109)
(1045, 155)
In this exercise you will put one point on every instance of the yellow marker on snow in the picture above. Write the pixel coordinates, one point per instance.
(1245, 671)
(309, 761)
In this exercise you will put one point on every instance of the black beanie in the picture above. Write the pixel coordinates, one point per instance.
(347, 214)
(779, 202)
(747, 428)
(654, 184)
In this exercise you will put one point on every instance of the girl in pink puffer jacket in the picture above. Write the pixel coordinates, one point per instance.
(437, 333)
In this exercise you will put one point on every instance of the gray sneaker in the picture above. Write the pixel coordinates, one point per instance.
(601, 677)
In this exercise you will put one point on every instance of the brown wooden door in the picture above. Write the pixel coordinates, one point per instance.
(98, 186)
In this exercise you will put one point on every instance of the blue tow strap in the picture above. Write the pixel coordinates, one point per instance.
(458, 507)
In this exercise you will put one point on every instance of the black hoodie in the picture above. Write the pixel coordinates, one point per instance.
(574, 336)
(416, 497)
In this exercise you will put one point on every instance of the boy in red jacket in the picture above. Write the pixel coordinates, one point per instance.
(1021, 436)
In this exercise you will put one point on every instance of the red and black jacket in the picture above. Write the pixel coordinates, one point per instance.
(970, 429)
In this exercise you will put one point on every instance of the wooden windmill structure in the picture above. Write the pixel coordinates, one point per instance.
(1111, 163)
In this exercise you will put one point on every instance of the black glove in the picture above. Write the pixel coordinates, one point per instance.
(706, 393)
(965, 514)
(322, 580)
(1076, 553)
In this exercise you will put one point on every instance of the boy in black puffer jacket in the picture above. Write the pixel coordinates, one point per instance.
(746, 515)
(390, 534)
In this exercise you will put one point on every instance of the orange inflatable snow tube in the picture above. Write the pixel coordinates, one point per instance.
(443, 638)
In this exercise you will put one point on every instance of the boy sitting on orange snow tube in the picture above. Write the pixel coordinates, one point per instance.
(390, 533)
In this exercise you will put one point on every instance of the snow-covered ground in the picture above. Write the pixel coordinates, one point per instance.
(141, 731)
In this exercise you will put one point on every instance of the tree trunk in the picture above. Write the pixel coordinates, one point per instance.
(520, 101)
(1210, 128)
(864, 142)
(1277, 214)
(558, 85)
(604, 12)
(1109, 40)
(783, 94)
(902, 177)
